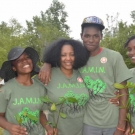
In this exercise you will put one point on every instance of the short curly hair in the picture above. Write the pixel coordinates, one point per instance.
(53, 53)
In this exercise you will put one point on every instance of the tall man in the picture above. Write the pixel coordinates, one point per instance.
(104, 68)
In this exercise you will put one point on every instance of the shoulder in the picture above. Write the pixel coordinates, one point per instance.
(132, 70)
(113, 56)
(9, 84)
(37, 82)
(8, 87)
(56, 71)
(109, 51)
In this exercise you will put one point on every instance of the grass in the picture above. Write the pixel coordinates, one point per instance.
(1, 131)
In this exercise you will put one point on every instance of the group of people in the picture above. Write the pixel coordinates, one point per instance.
(84, 71)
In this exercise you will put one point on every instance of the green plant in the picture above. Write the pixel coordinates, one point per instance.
(128, 105)
(55, 109)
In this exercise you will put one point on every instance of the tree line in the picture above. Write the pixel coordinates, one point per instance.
(52, 24)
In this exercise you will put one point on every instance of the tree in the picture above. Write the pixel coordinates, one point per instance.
(10, 36)
(116, 34)
(47, 27)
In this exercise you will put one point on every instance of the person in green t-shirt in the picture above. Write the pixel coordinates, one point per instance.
(99, 74)
(130, 47)
(104, 68)
(21, 110)
(65, 55)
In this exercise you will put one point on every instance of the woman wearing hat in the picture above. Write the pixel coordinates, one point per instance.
(20, 106)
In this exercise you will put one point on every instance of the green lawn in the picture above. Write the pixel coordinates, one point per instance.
(1, 133)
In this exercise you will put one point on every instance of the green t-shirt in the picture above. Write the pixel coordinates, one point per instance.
(61, 86)
(24, 101)
(99, 74)
(132, 99)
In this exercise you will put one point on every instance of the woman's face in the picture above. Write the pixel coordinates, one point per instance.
(67, 57)
(131, 50)
(23, 64)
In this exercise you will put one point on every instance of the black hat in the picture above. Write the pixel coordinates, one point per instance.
(93, 21)
(7, 72)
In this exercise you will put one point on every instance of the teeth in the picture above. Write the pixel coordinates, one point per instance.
(26, 66)
(68, 63)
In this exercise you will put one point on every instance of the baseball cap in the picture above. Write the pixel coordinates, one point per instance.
(93, 20)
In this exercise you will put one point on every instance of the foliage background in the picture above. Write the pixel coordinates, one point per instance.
(52, 24)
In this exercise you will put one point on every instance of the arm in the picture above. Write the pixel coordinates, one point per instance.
(11, 128)
(43, 122)
(122, 111)
(115, 100)
(45, 73)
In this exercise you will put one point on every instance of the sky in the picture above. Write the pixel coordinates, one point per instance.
(23, 10)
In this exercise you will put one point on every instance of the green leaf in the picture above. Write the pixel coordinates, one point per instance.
(61, 101)
(127, 120)
(54, 125)
(118, 86)
(18, 118)
(48, 122)
(119, 95)
(132, 131)
(63, 115)
(124, 106)
(32, 117)
(53, 107)
(72, 100)
(132, 91)
(130, 85)
(128, 103)
(128, 116)
(45, 99)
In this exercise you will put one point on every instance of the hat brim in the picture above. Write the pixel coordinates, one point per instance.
(101, 27)
(7, 72)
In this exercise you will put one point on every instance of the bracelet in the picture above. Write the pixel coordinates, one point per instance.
(120, 129)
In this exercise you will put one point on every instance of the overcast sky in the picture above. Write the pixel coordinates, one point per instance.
(77, 9)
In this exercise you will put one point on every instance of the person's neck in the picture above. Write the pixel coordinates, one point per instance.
(67, 73)
(96, 52)
(24, 79)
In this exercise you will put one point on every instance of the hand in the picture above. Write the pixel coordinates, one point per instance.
(49, 130)
(45, 73)
(115, 100)
(128, 130)
(55, 131)
(17, 130)
(118, 132)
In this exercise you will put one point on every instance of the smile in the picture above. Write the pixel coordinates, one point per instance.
(26, 66)
(68, 63)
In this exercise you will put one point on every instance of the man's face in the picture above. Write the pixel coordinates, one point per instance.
(91, 37)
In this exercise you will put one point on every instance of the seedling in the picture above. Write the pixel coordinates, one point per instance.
(54, 108)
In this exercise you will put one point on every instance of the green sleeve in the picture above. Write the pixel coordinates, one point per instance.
(3, 100)
(121, 72)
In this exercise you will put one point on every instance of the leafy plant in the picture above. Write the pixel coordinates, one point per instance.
(54, 108)
(128, 104)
